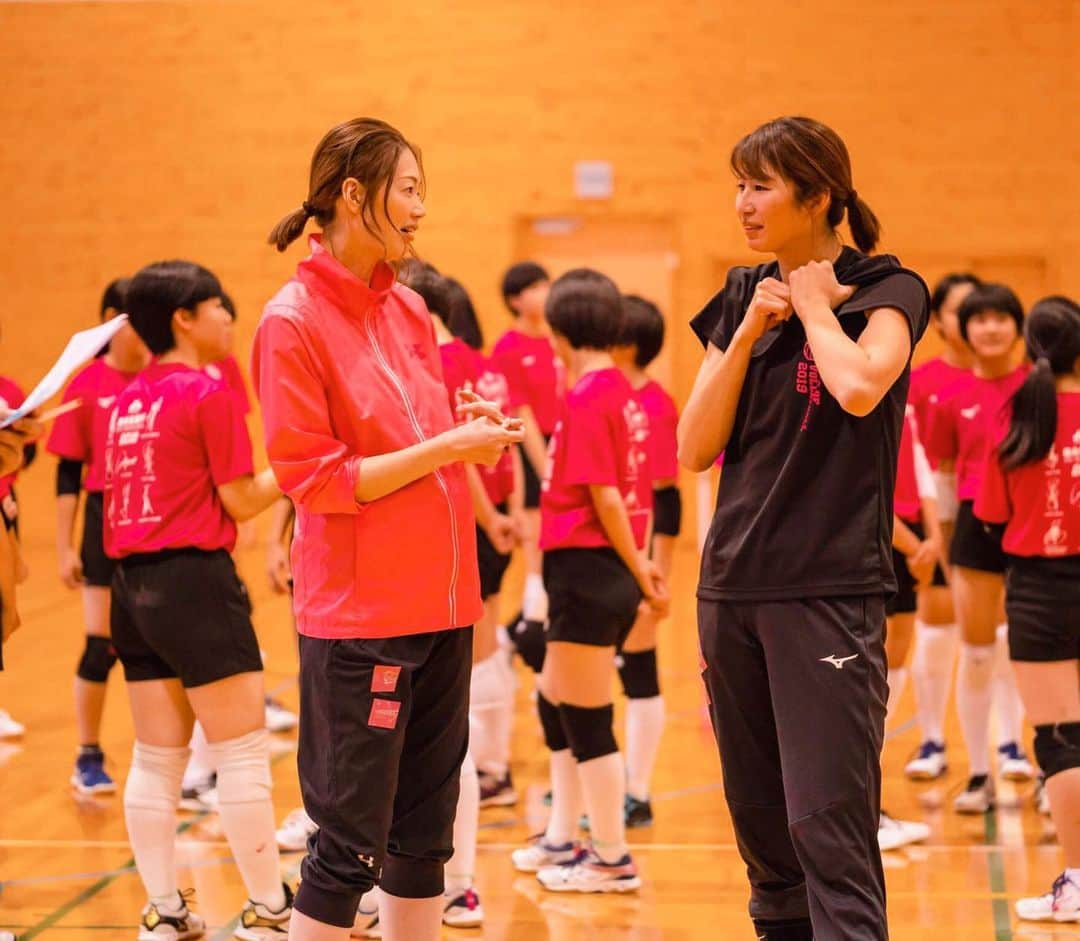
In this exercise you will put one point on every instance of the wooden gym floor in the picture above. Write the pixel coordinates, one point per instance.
(67, 871)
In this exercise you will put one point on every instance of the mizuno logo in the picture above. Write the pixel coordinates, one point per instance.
(836, 661)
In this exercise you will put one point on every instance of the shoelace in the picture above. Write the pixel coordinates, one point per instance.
(1059, 885)
(187, 898)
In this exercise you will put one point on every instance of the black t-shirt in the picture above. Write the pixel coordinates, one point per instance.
(805, 507)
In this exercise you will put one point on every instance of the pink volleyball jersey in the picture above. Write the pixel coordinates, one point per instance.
(964, 421)
(663, 426)
(536, 377)
(1039, 503)
(80, 435)
(175, 436)
(462, 364)
(602, 438)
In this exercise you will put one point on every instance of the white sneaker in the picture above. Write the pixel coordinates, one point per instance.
(1013, 763)
(892, 833)
(464, 910)
(589, 873)
(928, 764)
(1062, 903)
(161, 923)
(978, 797)
(539, 854)
(278, 718)
(199, 796)
(366, 924)
(259, 923)
(292, 835)
(9, 728)
(1042, 798)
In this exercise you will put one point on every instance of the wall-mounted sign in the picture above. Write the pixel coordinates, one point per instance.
(594, 179)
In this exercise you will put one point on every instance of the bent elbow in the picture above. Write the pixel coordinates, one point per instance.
(859, 400)
(692, 459)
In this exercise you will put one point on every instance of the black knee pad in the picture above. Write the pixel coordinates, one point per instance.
(410, 878)
(591, 732)
(551, 723)
(1057, 747)
(798, 929)
(530, 642)
(639, 674)
(97, 660)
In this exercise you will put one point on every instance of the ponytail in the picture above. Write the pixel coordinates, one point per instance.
(1034, 419)
(1052, 337)
(289, 229)
(864, 225)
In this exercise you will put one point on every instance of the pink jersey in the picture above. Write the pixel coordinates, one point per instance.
(663, 426)
(1038, 503)
(175, 436)
(462, 364)
(928, 381)
(914, 479)
(536, 377)
(228, 371)
(965, 420)
(11, 397)
(80, 435)
(602, 438)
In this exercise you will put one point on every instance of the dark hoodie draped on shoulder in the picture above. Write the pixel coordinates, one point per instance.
(805, 506)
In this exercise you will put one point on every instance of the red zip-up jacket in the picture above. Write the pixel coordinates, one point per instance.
(345, 370)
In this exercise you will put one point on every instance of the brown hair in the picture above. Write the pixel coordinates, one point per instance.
(813, 158)
(365, 149)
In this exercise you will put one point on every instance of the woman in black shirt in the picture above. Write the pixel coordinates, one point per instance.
(803, 389)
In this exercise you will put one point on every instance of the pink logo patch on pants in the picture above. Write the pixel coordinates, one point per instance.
(384, 714)
(384, 679)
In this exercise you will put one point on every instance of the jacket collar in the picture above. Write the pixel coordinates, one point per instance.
(322, 274)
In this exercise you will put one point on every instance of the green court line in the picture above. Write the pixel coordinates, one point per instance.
(90, 891)
(996, 864)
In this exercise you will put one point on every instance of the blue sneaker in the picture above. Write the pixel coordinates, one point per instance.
(1014, 764)
(929, 762)
(90, 776)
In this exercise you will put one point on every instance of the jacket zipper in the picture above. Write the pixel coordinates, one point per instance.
(452, 595)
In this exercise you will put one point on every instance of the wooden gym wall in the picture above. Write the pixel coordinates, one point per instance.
(135, 131)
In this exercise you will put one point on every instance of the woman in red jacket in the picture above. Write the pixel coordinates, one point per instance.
(361, 438)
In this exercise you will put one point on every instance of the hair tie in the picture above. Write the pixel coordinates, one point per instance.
(1044, 362)
(852, 198)
(309, 210)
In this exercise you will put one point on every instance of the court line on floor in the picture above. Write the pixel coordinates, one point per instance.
(996, 865)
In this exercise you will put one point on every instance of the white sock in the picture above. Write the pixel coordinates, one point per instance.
(534, 601)
(931, 673)
(603, 782)
(503, 719)
(487, 698)
(150, 798)
(199, 767)
(897, 679)
(461, 868)
(369, 901)
(247, 814)
(644, 729)
(1007, 702)
(974, 692)
(566, 799)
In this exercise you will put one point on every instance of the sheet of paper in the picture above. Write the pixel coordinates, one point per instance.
(80, 349)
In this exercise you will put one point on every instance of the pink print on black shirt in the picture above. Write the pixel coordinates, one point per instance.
(808, 383)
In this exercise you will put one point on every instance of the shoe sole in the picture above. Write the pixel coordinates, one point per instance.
(603, 888)
(464, 922)
(535, 869)
(924, 775)
(1018, 775)
(96, 789)
(180, 936)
